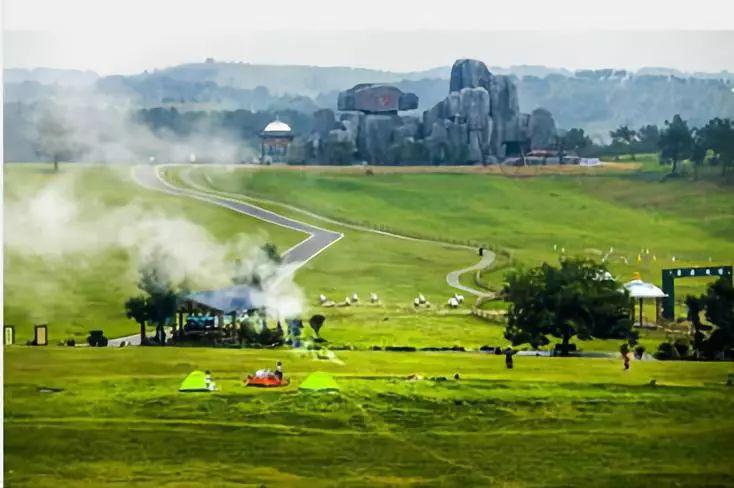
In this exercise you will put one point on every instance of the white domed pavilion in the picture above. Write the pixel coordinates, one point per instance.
(274, 141)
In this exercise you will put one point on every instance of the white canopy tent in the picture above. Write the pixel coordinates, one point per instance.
(640, 290)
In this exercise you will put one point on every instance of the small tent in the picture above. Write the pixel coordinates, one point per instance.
(319, 381)
(195, 381)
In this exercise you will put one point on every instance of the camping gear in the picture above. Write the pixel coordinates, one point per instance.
(266, 381)
(195, 381)
(319, 381)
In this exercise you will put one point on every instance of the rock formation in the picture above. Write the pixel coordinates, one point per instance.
(479, 121)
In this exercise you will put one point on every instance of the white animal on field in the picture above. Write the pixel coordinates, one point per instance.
(374, 298)
(453, 302)
(421, 298)
(416, 302)
(322, 298)
(355, 297)
(459, 298)
(346, 301)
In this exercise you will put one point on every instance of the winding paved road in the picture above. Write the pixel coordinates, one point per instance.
(453, 277)
(318, 238)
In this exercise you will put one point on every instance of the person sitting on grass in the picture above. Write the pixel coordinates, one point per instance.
(210, 385)
(279, 371)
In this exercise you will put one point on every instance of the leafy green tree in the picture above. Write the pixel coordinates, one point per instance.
(576, 140)
(625, 136)
(54, 139)
(137, 308)
(648, 138)
(719, 305)
(675, 143)
(574, 299)
(718, 135)
(695, 307)
(316, 322)
(699, 148)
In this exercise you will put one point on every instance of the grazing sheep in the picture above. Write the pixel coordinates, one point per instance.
(347, 301)
(459, 298)
(453, 302)
(355, 298)
(374, 298)
(322, 299)
(416, 302)
(421, 299)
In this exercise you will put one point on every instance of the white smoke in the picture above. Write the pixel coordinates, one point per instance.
(101, 128)
(53, 224)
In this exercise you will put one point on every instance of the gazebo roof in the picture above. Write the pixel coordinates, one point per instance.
(641, 289)
(236, 298)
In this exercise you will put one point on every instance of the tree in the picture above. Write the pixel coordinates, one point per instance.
(576, 140)
(718, 135)
(571, 300)
(719, 305)
(675, 142)
(137, 308)
(695, 306)
(54, 139)
(648, 137)
(699, 149)
(625, 136)
(316, 322)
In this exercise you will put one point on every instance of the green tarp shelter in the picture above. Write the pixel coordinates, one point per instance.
(319, 382)
(195, 381)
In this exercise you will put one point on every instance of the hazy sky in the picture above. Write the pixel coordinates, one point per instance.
(126, 36)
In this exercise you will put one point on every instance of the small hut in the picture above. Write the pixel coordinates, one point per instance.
(640, 290)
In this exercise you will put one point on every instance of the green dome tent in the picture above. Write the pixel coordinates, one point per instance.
(195, 381)
(319, 381)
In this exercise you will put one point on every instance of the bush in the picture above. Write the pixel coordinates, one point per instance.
(639, 352)
(665, 351)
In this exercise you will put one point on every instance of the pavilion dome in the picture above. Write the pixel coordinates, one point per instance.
(277, 126)
(640, 289)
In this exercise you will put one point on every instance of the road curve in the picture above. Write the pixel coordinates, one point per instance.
(453, 277)
(318, 238)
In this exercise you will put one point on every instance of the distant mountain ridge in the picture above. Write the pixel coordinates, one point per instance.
(597, 100)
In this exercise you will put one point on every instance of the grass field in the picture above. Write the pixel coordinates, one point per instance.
(103, 417)
(119, 419)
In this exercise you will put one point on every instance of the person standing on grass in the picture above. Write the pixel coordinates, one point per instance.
(624, 350)
(509, 352)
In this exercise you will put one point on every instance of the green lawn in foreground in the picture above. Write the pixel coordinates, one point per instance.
(563, 422)
(86, 290)
(584, 215)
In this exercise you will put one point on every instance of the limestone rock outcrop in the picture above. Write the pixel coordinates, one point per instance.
(479, 121)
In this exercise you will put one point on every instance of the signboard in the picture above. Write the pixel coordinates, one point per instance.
(40, 335)
(9, 337)
(670, 275)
